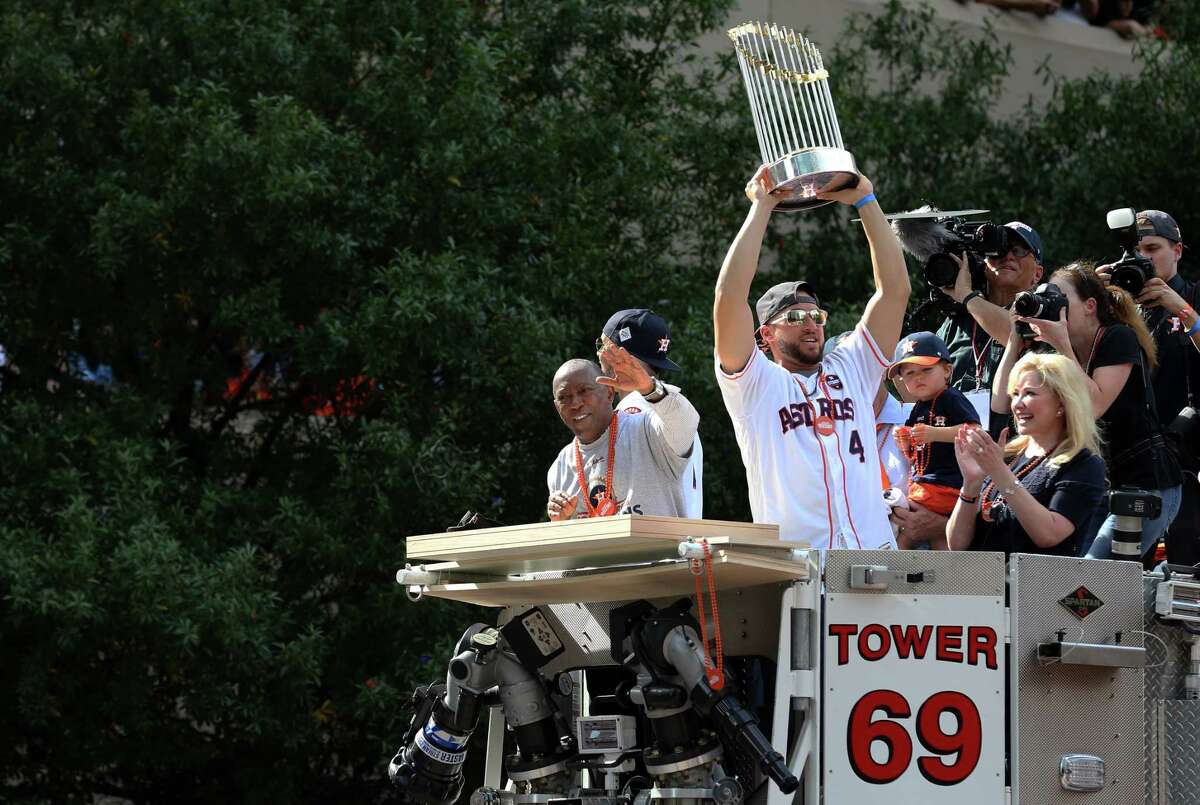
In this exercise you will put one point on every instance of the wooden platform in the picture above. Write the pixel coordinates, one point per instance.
(600, 559)
(594, 542)
(731, 570)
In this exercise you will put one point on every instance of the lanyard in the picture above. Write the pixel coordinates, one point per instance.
(605, 507)
(981, 355)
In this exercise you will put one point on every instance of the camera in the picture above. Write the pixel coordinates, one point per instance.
(1131, 271)
(1131, 506)
(977, 239)
(931, 236)
(1043, 302)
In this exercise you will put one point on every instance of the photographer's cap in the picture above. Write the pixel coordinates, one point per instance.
(1157, 222)
(923, 348)
(644, 334)
(781, 296)
(1028, 235)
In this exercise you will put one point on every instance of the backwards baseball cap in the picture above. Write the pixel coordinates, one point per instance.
(1028, 236)
(781, 296)
(922, 348)
(644, 334)
(1157, 222)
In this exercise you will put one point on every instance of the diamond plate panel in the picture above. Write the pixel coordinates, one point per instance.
(1172, 772)
(1183, 752)
(955, 572)
(1060, 709)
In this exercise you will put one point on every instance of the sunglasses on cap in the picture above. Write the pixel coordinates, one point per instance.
(798, 317)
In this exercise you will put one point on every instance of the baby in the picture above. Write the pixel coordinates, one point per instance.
(922, 365)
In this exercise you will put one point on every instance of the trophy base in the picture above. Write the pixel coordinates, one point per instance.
(811, 171)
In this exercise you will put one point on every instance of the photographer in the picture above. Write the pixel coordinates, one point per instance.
(1040, 492)
(1101, 330)
(976, 332)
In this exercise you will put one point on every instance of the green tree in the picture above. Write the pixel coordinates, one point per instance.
(333, 253)
(399, 215)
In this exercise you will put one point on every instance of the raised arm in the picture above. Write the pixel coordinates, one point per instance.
(884, 316)
(1012, 352)
(991, 317)
(673, 419)
(733, 321)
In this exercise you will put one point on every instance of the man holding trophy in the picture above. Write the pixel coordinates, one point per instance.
(805, 424)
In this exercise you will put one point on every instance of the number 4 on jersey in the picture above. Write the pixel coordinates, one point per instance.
(856, 446)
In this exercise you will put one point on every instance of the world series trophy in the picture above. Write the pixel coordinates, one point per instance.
(797, 129)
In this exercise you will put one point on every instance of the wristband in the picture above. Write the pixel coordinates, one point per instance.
(1195, 328)
(966, 499)
(864, 201)
(967, 299)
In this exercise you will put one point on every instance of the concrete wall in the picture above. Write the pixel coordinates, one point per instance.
(1072, 48)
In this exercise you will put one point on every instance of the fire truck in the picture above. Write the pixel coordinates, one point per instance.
(640, 660)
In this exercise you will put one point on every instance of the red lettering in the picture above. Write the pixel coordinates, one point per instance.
(911, 639)
(861, 732)
(949, 643)
(981, 640)
(864, 646)
(843, 632)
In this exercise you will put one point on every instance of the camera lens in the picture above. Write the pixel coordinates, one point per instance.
(1027, 304)
(1129, 278)
(991, 239)
(941, 271)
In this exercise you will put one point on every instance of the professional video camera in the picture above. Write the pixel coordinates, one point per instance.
(1131, 271)
(1043, 302)
(933, 235)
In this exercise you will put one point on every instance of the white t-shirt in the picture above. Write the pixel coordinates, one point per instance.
(691, 480)
(822, 487)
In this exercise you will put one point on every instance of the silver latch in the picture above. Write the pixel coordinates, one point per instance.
(880, 577)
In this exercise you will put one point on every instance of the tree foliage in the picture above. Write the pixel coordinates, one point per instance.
(333, 253)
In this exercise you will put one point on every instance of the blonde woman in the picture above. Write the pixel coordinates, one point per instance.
(1039, 492)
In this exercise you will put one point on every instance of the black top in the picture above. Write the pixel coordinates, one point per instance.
(1073, 490)
(950, 408)
(974, 354)
(1133, 445)
(1178, 368)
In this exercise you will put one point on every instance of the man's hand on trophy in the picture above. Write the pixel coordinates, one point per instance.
(625, 372)
(561, 507)
(849, 195)
(759, 188)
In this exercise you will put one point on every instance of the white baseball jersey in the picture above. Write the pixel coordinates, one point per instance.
(808, 444)
(691, 480)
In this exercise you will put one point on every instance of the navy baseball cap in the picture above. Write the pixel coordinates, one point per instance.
(644, 334)
(923, 348)
(1028, 236)
(1157, 222)
(781, 296)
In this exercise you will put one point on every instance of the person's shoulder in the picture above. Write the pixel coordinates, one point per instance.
(1120, 334)
(1085, 462)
